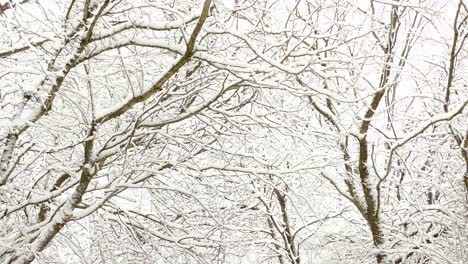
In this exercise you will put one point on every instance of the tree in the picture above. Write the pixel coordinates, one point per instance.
(374, 140)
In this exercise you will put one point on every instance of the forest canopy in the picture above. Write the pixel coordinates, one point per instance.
(233, 131)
